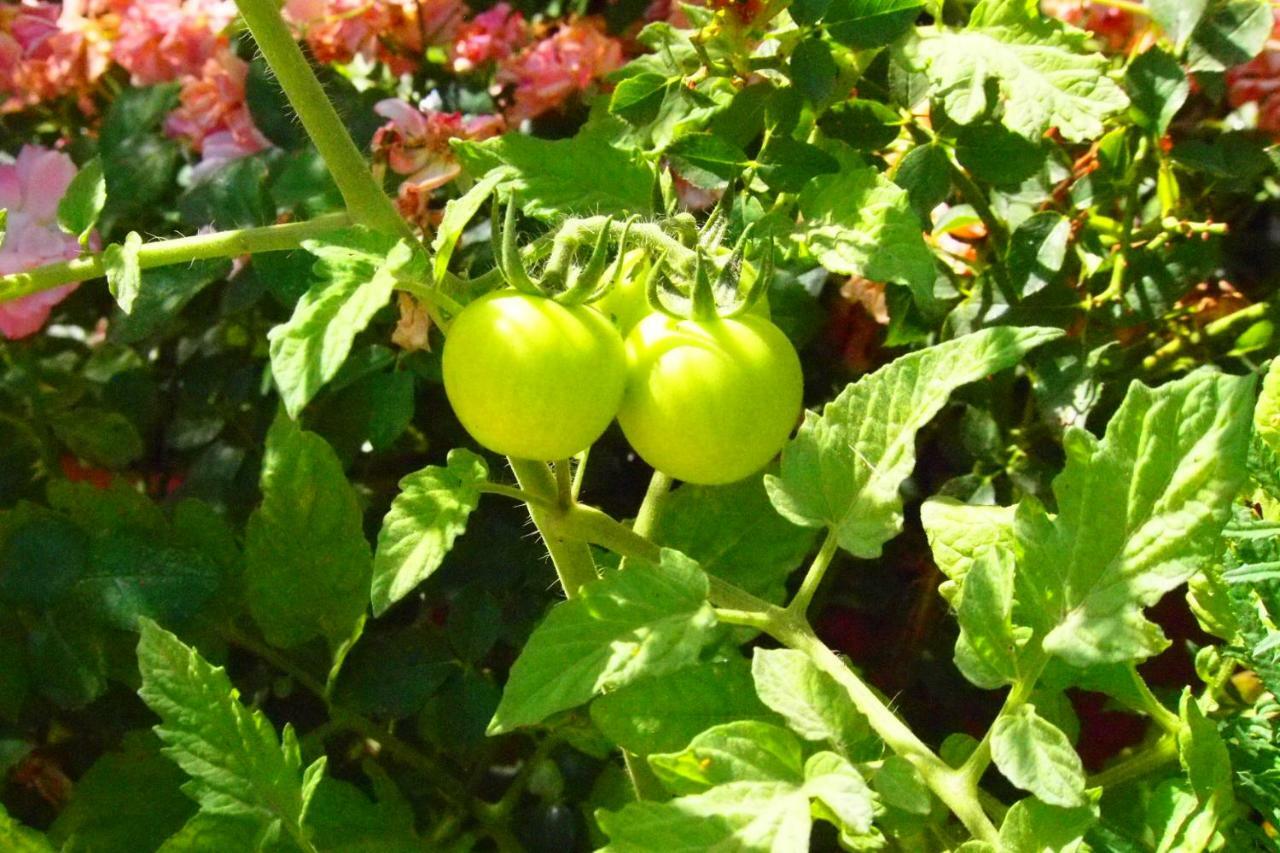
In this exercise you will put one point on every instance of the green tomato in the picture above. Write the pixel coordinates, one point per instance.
(531, 378)
(710, 402)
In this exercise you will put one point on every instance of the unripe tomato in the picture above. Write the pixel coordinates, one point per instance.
(709, 402)
(531, 378)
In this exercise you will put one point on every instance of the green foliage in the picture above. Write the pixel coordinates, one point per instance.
(644, 622)
(297, 593)
(1025, 266)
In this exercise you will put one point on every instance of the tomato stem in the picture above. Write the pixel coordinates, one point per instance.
(570, 556)
(182, 250)
(366, 201)
(813, 578)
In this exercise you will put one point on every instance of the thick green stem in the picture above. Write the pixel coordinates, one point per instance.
(366, 201)
(571, 556)
(182, 250)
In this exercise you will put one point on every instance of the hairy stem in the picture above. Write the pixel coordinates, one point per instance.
(181, 250)
(572, 558)
(366, 201)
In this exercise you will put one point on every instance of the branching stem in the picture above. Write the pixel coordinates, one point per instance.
(181, 250)
(366, 201)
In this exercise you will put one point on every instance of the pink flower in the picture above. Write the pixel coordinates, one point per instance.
(47, 50)
(164, 40)
(30, 189)
(416, 144)
(212, 115)
(488, 37)
(566, 62)
(394, 31)
(1258, 81)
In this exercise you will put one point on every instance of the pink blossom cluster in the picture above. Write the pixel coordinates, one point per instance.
(568, 61)
(52, 49)
(30, 189)
(164, 40)
(212, 115)
(1258, 82)
(415, 143)
(396, 32)
(491, 36)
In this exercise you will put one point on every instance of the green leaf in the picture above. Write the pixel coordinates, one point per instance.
(1178, 18)
(813, 70)
(1203, 754)
(307, 564)
(83, 201)
(238, 766)
(16, 838)
(961, 533)
(639, 623)
(212, 832)
(1158, 87)
(1040, 70)
(861, 124)
(357, 273)
(858, 222)
(748, 816)
(548, 175)
(458, 212)
(925, 173)
(1037, 252)
(428, 514)
(102, 437)
(124, 276)
(132, 577)
(1036, 756)
(127, 801)
(1266, 415)
(344, 819)
(664, 714)
(1139, 513)
(706, 160)
(745, 817)
(1230, 33)
(734, 534)
(638, 99)
(741, 751)
(813, 704)
(900, 785)
(786, 164)
(862, 24)
(844, 468)
(1032, 826)
(988, 646)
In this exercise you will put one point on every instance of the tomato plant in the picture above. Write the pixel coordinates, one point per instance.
(762, 426)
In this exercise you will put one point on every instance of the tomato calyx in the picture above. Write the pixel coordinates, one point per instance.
(707, 296)
(561, 277)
